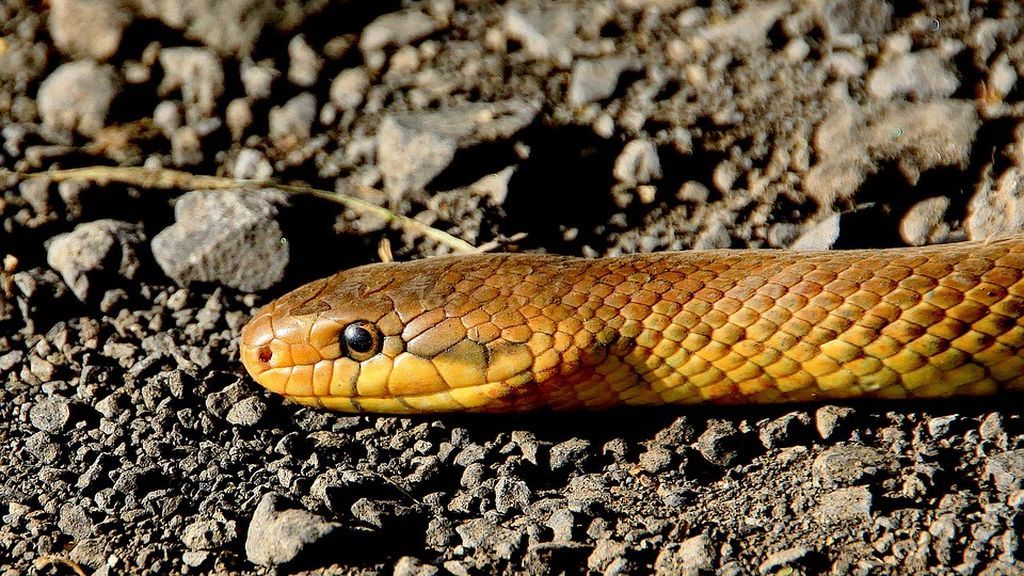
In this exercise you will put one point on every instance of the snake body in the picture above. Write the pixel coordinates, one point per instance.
(500, 333)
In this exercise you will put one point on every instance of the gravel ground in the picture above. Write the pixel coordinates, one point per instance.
(132, 442)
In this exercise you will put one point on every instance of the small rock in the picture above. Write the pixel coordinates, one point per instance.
(229, 237)
(997, 210)
(292, 122)
(74, 521)
(238, 117)
(940, 426)
(869, 19)
(638, 163)
(785, 558)
(783, 430)
(93, 252)
(209, 534)
(593, 80)
(846, 464)
(587, 493)
(721, 443)
(511, 494)
(572, 452)
(489, 538)
(922, 224)
(1006, 470)
(562, 522)
(543, 34)
(830, 419)
(844, 504)
(50, 415)
(923, 75)
(227, 26)
(396, 29)
(303, 62)
(410, 566)
(413, 148)
(691, 557)
(88, 28)
(248, 412)
(278, 535)
(820, 236)
(258, 78)
(77, 96)
(609, 557)
(348, 89)
(197, 73)
(655, 459)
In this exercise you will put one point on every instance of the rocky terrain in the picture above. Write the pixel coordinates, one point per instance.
(132, 442)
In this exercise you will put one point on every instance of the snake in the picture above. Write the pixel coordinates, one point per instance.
(521, 332)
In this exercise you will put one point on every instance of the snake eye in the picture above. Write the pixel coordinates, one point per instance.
(362, 340)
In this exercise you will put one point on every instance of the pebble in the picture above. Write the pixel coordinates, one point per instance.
(941, 426)
(867, 19)
(570, 453)
(226, 26)
(830, 420)
(997, 209)
(784, 558)
(411, 566)
(292, 122)
(1006, 470)
(819, 236)
(543, 34)
(608, 558)
(209, 534)
(691, 557)
(923, 75)
(50, 415)
(88, 28)
(486, 536)
(83, 257)
(396, 29)
(278, 534)
(638, 163)
(923, 222)
(851, 503)
(511, 494)
(74, 521)
(303, 62)
(349, 87)
(229, 237)
(655, 459)
(846, 464)
(248, 412)
(721, 443)
(593, 80)
(77, 96)
(199, 77)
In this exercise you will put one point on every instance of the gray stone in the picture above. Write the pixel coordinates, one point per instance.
(1006, 470)
(997, 208)
(88, 28)
(198, 75)
(569, 453)
(397, 29)
(543, 34)
(819, 236)
(278, 535)
(511, 494)
(844, 504)
(77, 96)
(413, 148)
(691, 557)
(484, 535)
(227, 26)
(846, 464)
(209, 534)
(74, 521)
(608, 558)
(830, 419)
(720, 443)
(410, 566)
(292, 122)
(789, 557)
(655, 459)
(229, 237)
(750, 26)
(940, 426)
(348, 89)
(923, 75)
(95, 251)
(595, 79)
(50, 415)
(638, 163)
(923, 222)
(869, 19)
(248, 412)
(303, 62)
(587, 493)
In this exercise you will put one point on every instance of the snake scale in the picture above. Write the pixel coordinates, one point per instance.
(503, 332)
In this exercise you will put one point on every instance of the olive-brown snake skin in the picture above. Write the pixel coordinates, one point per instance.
(503, 333)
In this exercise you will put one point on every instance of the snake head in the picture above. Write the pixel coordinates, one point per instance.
(390, 338)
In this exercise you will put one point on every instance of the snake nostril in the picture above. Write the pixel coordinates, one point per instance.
(265, 354)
